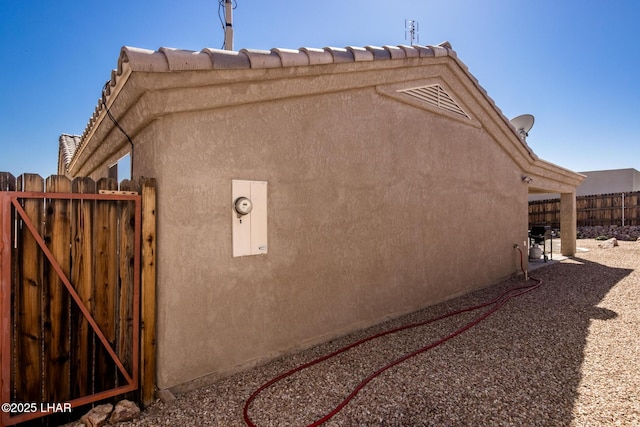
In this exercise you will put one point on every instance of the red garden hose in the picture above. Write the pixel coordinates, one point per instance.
(497, 302)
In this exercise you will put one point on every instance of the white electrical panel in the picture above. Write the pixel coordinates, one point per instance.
(249, 217)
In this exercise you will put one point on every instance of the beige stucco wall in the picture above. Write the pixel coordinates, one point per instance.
(375, 208)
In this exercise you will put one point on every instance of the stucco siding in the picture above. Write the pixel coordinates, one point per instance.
(375, 208)
(394, 182)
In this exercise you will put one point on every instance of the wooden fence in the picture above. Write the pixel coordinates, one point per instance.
(77, 271)
(602, 209)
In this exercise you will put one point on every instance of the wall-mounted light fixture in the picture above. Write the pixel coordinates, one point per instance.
(527, 179)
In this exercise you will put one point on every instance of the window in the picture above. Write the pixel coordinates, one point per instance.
(121, 169)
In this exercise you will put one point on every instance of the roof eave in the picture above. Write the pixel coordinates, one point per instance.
(110, 92)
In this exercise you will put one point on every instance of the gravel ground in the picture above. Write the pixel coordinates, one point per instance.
(564, 354)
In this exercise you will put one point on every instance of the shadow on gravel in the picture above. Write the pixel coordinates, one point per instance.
(522, 366)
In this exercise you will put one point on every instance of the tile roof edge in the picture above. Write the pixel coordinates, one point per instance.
(170, 59)
(167, 59)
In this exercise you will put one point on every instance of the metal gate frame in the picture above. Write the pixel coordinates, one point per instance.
(11, 198)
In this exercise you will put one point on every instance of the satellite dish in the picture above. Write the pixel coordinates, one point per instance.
(523, 125)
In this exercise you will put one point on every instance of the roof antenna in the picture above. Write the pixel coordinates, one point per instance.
(228, 29)
(411, 31)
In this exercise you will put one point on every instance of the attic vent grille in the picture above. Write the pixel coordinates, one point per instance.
(435, 96)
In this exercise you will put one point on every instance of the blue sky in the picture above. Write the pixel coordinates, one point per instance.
(572, 64)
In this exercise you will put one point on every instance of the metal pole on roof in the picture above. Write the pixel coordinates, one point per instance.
(228, 30)
(411, 30)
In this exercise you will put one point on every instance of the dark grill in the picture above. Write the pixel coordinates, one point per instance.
(538, 234)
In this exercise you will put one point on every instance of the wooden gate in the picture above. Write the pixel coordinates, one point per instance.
(72, 264)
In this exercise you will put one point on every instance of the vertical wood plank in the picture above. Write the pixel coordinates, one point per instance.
(105, 282)
(580, 213)
(28, 296)
(126, 223)
(7, 182)
(57, 300)
(148, 283)
(8, 278)
(82, 279)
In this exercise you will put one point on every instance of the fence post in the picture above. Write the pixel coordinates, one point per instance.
(148, 294)
(7, 263)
